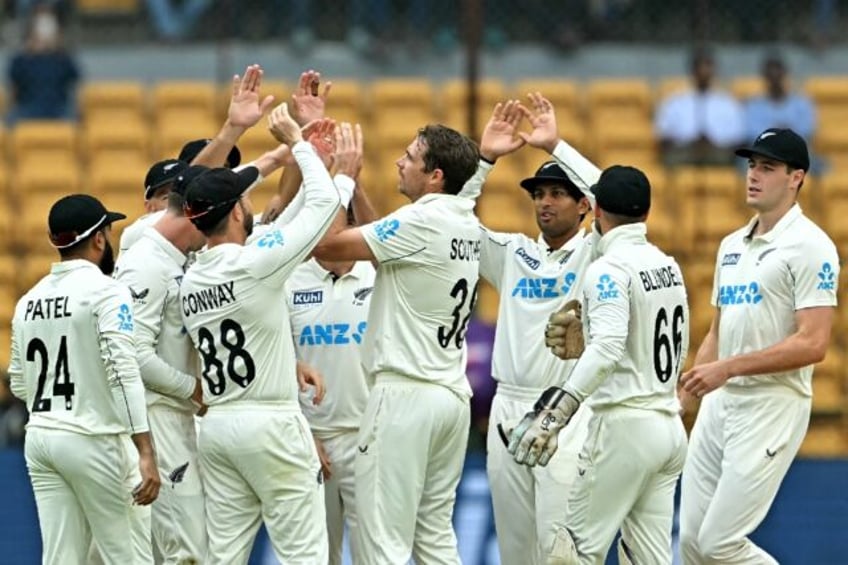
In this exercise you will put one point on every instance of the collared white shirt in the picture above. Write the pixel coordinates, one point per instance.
(153, 269)
(328, 325)
(425, 289)
(134, 231)
(73, 358)
(761, 281)
(231, 299)
(636, 323)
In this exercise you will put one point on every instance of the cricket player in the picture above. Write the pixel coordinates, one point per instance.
(533, 278)
(257, 454)
(88, 449)
(153, 269)
(636, 326)
(414, 433)
(157, 186)
(775, 297)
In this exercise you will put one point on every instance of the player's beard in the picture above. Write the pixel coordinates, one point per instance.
(107, 261)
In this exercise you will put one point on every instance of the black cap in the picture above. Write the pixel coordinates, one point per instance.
(191, 149)
(780, 144)
(551, 172)
(160, 174)
(623, 190)
(184, 178)
(76, 217)
(211, 195)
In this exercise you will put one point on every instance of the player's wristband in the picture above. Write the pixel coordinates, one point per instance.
(345, 186)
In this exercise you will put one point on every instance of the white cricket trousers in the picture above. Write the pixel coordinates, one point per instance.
(83, 490)
(626, 475)
(259, 463)
(339, 492)
(529, 501)
(408, 464)
(742, 445)
(179, 516)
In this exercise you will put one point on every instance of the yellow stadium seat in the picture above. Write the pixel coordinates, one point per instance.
(387, 94)
(670, 86)
(53, 177)
(487, 303)
(111, 100)
(119, 140)
(512, 213)
(171, 136)
(110, 176)
(725, 181)
(262, 194)
(184, 100)
(829, 383)
(5, 347)
(826, 437)
(747, 87)
(827, 89)
(34, 267)
(8, 268)
(454, 102)
(280, 90)
(54, 136)
(613, 100)
(565, 95)
(108, 7)
(347, 102)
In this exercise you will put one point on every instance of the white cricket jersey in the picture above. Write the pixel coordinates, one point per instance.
(532, 284)
(232, 299)
(73, 358)
(760, 281)
(425, 289)
(328, 324)
(133, 232)
(153, 270)
(636, 322)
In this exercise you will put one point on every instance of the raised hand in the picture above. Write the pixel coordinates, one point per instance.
(307, 104)
(499, 135)
(245, 107)
(543, 120)
(321, 134)
(347, 159)
(283, 127)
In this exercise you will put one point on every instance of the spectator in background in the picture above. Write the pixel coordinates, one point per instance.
(173, 19)
(699, 126)
(43, 75)
(779, 107)
(13, 416)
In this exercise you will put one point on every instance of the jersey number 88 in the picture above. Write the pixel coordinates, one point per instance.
(214, 373)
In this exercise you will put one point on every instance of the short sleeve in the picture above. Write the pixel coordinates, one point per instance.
(815, 274)
(402, 236)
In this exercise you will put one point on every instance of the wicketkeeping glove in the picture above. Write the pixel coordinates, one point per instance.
(564, 332)
(534, 440)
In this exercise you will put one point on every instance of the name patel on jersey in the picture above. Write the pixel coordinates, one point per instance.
(208, 298)
(465, 249)
(656, 279)
(331, 334)
(47, 309)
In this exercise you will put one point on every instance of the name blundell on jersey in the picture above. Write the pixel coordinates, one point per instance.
(47, 309)
(209, 298)
(657, 279)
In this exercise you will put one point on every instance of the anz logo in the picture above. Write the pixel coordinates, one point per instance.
(533, 288)
(607, 289)
(332, 334)
(735, 294)
(827, 278)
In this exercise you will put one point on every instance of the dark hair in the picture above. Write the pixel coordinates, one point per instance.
(79, 247)
(175, 203)
(790, 169)
(700, 55)
(621, 219)
(456, 155)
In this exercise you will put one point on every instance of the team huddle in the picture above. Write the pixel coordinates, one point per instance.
(303, 366)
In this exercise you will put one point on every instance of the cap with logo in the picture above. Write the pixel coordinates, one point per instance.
(623, 190)
(551, 172)
(76, 217)
(189, 174)
(160, 174)
(780, 144)
(211, 195)
(193, 148)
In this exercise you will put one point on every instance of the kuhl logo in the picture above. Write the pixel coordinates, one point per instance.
(827, 278)
(544, 287)
(386, 229)
(332, 334)
(308, 297)
(125, 318)
(606, 288)
(730, 259)
(271, 239)
(531, 262)
(735, 294)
